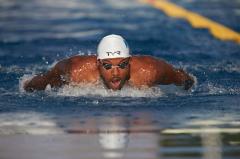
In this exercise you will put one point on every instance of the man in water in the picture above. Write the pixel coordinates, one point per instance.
(114, 66)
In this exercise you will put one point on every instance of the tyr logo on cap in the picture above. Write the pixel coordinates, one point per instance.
(113, 53)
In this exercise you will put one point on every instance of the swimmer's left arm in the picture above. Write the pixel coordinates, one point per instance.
(171, 75)
(183, 79)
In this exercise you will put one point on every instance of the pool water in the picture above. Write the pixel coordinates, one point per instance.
(162, 122)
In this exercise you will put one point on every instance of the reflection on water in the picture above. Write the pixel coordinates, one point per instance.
(212, 144)
(207, 141)
(136, 136)
(113, 143)
(120, 137)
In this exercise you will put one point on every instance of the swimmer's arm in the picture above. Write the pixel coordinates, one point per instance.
(55, 77)
(171, 75)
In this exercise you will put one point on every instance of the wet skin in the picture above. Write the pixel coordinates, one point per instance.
(113, 75)
(139, 71)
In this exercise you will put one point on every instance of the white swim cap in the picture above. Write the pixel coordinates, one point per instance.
(112, 46)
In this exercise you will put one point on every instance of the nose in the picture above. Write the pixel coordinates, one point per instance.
(115, 71)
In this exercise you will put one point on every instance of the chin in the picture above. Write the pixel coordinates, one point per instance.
(115, 87)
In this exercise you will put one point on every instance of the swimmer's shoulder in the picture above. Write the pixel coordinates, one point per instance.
(145, 70)
(80, 61)
(146, 61)
(76, 61)
(83, 69)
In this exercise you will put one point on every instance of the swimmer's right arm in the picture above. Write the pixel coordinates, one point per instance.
(55, 77)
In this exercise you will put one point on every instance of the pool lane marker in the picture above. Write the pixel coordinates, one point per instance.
(197, 21)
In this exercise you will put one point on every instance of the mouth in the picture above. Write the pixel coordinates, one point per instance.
(115, 83)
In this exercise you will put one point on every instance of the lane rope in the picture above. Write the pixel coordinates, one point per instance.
(196, 20)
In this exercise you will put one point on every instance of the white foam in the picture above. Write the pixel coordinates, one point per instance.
(218, 89)
(28, 123)
(100, 90)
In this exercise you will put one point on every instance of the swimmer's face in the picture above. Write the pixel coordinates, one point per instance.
(114, 72)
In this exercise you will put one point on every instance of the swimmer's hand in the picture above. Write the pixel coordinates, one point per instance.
(184, 79)
(188, 84)
(27, 87)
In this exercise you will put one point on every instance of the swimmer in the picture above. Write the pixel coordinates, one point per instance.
(113, 65)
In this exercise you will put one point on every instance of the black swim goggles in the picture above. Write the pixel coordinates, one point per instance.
(109, 66)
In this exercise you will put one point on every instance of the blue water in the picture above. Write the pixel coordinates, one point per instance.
(160, 122)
